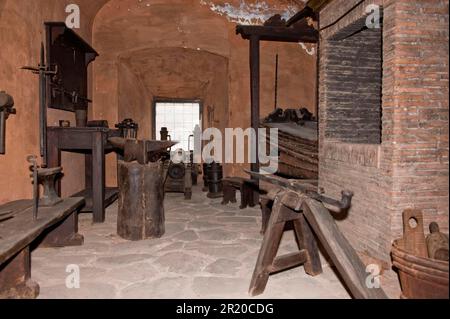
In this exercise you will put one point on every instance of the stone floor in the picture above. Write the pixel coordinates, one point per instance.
(208, 251)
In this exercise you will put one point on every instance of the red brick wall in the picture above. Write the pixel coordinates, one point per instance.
(410, 166)
(418, 108)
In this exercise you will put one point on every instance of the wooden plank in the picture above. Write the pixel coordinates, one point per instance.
(317, 5)
(255, 92)
(278, 34)
(289, 261)
(20, 231)
(12, 208)
(344, 257)
(304, 13)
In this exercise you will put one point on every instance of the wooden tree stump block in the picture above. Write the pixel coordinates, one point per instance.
(141, 201)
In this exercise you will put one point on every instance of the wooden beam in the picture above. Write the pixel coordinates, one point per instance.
(344, 257)
(307, 12)
(289, 261)
(317, 5)
(278, 34)
(255, 91)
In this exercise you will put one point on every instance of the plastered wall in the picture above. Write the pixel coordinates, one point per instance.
(116, 28)
(189, 49)
(21, 33)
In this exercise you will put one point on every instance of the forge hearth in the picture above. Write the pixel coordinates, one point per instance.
(379, 111)
(354, 71)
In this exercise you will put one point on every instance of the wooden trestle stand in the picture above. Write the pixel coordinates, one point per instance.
(297, 202)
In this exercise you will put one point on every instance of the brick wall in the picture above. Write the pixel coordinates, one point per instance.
(410, 166)
(418, 109)
(354, 86)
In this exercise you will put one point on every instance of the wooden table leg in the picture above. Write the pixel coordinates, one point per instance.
(54, 155)
(98, 178)
(15, 277)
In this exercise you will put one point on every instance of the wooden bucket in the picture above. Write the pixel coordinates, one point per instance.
(420, 277)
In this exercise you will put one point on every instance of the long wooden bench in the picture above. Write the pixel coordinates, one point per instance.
(56, 226)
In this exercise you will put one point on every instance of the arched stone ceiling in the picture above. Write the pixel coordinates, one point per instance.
(93, 7)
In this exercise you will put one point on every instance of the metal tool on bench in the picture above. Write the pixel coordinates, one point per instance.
(142, 151)
(43, 70)
(47, 177)
(6, 108)
(309, 190)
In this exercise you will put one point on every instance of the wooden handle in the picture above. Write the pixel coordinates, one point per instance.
(414, 237)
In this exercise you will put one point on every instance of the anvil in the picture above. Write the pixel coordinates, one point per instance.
(142, 151)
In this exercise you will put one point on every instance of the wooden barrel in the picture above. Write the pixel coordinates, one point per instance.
(141, 201)
(420, 277)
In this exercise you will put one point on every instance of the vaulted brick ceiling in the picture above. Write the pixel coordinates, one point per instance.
(91, 8)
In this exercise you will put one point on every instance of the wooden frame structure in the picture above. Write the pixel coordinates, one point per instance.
(294, 30)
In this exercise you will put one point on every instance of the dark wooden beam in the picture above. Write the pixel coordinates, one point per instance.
(278, 34)
(255, 88)
(307, 12)
(317, 5)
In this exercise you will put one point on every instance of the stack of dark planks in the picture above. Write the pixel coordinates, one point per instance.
(298, 149)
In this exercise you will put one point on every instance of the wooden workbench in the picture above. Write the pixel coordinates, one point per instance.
(92, 141)
(56, 226)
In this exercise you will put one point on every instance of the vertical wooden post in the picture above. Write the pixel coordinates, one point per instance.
(54, 155)
(255, 88)
(318, 74)
(98, 177)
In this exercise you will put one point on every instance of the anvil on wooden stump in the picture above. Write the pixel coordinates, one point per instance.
(142, 151)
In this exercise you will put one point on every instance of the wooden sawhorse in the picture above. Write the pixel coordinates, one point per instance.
(309, 217)
(268, 263)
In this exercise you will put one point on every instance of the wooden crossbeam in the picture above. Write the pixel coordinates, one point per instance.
(289, 261)
(278, 34)
(305, 13)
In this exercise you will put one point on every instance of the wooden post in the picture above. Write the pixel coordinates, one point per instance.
(141, 201)
(255, 88)
(15, 277)
(98, 178)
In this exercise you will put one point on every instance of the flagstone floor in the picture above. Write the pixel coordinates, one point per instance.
(208, 251)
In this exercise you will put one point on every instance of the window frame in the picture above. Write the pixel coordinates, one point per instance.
(157, 100)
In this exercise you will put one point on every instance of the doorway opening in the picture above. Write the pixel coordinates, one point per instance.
(180, 117)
